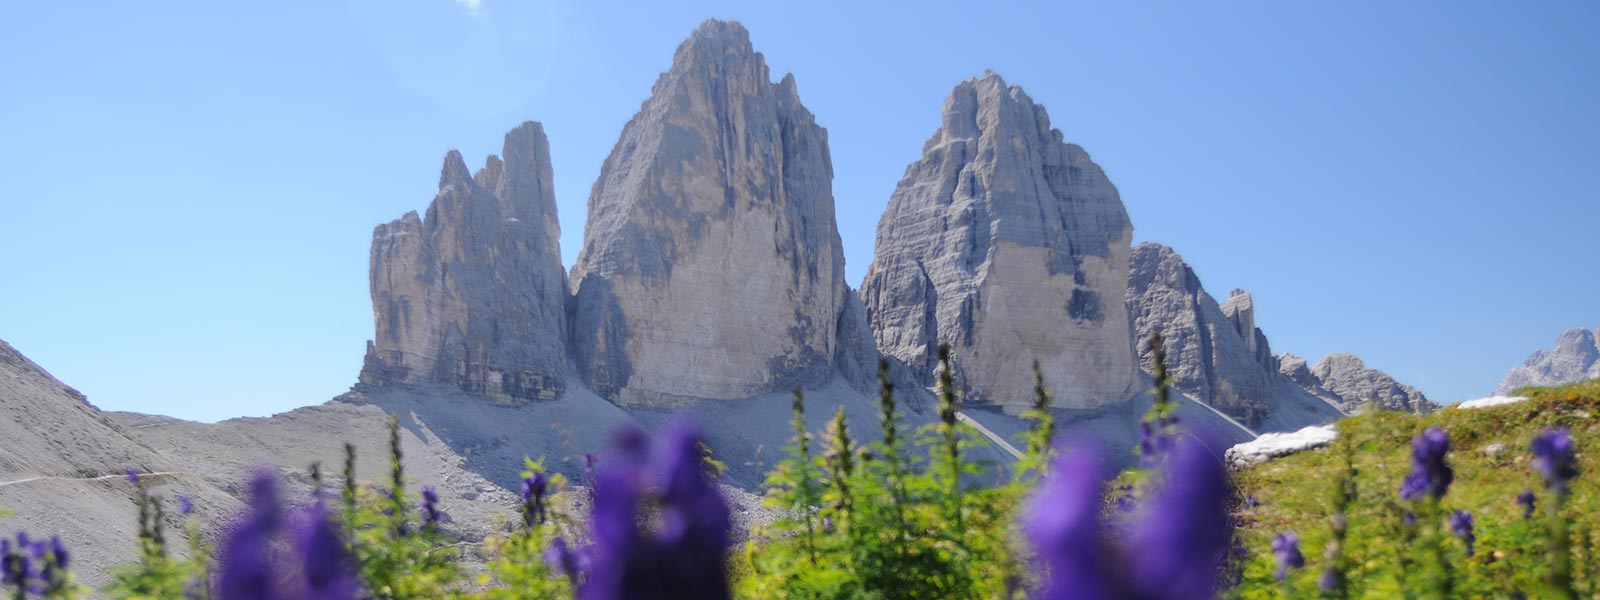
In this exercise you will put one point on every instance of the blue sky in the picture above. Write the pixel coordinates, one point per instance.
(190, 187)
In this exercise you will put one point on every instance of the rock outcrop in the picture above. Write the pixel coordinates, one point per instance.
(711, 264)
(1011, 246)
(475, 296)
(1214, 352)
(1355, 385)
(1575, 357)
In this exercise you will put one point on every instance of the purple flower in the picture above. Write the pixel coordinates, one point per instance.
(248, 569)
(327, 568)
(1554, 459)
(1461, 525)
(1286, 548)
(1063, 526)
(264, 558)
(685, 558)
(430, 505)
(13, 567)
(58, 551)
(1181, 543)
(1430, 474)
(133, 477)
(184, 505)
(1329, 580)
(562, 559)
(1251, 501)
(1527, 501)
(1409, 520)
(533, 489)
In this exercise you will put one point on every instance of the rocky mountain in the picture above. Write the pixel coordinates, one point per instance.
(63, 465)
(1215, 352)
(1575, 357)
(1012, 246)
(1354, 385)
(1207, 356)
(711, 265)
(474, 296)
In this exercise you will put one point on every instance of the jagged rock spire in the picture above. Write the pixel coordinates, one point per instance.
(1012, 246)
(711, 265)
(474, 296)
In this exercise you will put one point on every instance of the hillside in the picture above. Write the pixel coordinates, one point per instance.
(1491, 457)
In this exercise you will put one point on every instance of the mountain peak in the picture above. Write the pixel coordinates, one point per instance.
(454, 170)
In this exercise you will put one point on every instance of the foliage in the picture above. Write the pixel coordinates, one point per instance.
(1486, 503)
(1380, 552)
(890, 522)
(158, 574)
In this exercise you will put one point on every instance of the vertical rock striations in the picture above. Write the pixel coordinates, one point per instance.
(1012, 246)
(711, 265)
(475, 295)
(1576, 357)
(1212, 351)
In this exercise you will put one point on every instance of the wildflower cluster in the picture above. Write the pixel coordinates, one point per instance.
(37, 566)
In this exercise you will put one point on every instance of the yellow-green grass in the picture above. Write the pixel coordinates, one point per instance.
(1491, 457)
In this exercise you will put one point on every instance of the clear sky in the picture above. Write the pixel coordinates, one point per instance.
(189, 188)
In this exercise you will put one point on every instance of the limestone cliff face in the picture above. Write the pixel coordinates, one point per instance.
(711, 265)
(1012, 246)
(1356, 385)
(474, 296)
(1575, 357)
(1213, 352)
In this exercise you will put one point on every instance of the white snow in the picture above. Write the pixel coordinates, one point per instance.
(1273, 445)
(1491, 401)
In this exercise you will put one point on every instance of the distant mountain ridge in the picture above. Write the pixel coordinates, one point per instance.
(1575, 357)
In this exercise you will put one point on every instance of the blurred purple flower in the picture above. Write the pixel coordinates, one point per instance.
(326, 565)
(533, 490)
(12, 567)
(185, 506)
(59, 552)
(1329, 580)
(1409, 520)
(1286, 549)
(1177, 546)
(430, 505)
(1430, 473)
(1554, 458)
(1063, 526)
(562, 559)
(255, 563)
(246, 557)
(1528, 502)
(1251, 501)
(1461, 525)
(1181, 543)
(685, 558)
(133, 477)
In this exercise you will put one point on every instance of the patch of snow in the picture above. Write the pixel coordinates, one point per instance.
(1274, 445)
(513, 220)
(1491, 401)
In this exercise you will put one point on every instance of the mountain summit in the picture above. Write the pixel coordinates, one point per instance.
(711, 263)
(1011, 246)
(474, 297)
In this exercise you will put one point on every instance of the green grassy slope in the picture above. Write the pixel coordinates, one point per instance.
(1491, 456)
